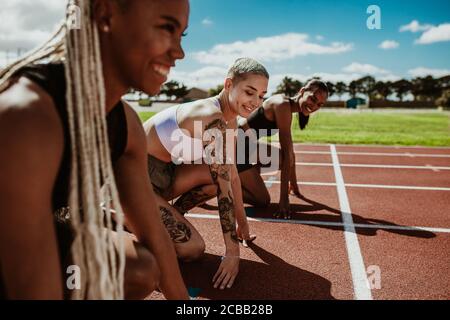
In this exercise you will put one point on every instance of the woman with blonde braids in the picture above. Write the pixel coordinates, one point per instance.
(64, 133)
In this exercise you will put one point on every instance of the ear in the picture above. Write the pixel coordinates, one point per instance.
(302, 91)
(103, 11)
(228, 84)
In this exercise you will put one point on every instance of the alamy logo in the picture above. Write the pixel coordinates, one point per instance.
(373, 277)
(73, 281)
(374, 20)
(234, 146)
(73, 17)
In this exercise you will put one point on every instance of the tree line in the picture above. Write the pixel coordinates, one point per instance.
(421, 88)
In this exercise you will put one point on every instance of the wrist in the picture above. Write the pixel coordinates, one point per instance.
(242, 221)
(232, 251)
(230, 257)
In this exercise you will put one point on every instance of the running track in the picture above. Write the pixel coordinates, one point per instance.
(374, 223)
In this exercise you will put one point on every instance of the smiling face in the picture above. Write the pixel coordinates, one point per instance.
(311, 100)
(246, 93)
(143, 40)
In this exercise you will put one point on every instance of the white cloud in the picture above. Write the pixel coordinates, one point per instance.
(365, 69)
(388, 77)
(319, 38)
(423, 72)
(204, 78)
(415, 26)
(207, 22)
(264, 49)
(435, 34)
(389, 44)
(211, 76)
(24, 24)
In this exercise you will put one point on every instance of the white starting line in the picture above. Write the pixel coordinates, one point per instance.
(373, 146)
(356, 261)
(380, 166)
(377, 186)
(390, 154)
(326, 223)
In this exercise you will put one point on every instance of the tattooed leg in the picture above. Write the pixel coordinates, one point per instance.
(178, 231)
(195, 198)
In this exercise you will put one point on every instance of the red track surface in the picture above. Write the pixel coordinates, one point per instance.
(308, 257)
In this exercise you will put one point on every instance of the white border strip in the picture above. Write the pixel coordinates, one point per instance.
(359, 276)
(391, 154)
(326, 223)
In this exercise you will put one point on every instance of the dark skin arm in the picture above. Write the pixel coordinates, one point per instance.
(293, 185)
(32, 144)
(243, 230)
(141, 211)
(283, 117)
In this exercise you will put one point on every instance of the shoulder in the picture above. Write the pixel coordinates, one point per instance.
(206, 108)
(203, 110)
(136, 134)
(278, 101)
(31, 131)
(281, 107)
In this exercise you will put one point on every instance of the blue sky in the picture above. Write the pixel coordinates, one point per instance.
(312, 27)
(297, 38)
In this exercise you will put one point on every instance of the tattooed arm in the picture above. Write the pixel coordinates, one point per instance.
(191, 199)
(220, 168)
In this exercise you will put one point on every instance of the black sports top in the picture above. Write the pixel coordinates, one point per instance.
(258, 121)
(51, 78)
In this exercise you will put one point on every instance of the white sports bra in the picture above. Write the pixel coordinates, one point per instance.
(182, 147)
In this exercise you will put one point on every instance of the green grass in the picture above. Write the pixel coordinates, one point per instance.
(424, 129)
(146, 115)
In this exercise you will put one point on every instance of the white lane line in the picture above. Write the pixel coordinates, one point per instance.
(326, 224)
(269, 182)
(435, 169)
(377, 186)
(372, 146)
(393, 154)
(381, 166)
(380, 186)
(358, 270)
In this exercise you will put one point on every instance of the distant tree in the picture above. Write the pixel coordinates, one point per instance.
(444, 82)
(366, 86)
(353, 88)
(215, 91)
(401, 88)
(383, 89)
(425, 89)
(289, 87)
(331, 88)
(174, 89)
(444, 99)
(340, 88)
